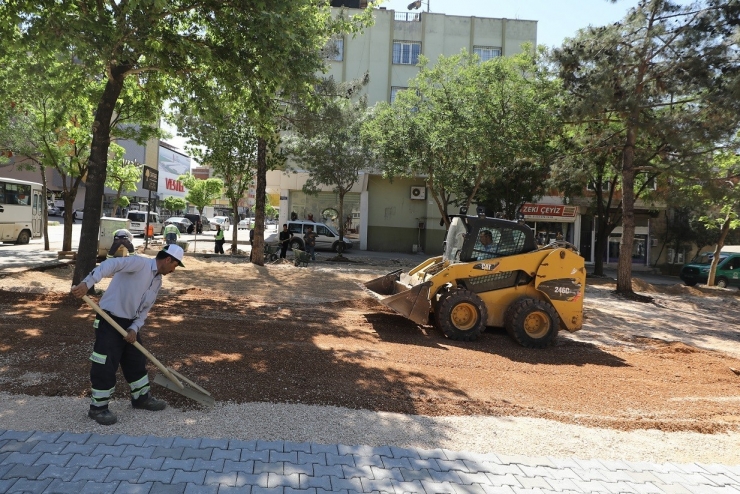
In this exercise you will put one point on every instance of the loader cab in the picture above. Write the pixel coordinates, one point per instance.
(474, 238)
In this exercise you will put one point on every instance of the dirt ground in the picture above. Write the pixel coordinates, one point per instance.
(311, 335)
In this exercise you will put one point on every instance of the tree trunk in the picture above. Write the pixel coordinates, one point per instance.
(720, 243)
(69, 200)
(235, 211)
(96, 172)
(340, 246)
(624, 267)
(45, 191)
(258, 247)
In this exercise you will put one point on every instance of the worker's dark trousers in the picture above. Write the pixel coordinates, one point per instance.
(110, 351)
(117, 243)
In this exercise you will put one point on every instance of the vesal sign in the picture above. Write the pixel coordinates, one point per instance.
(172, 184)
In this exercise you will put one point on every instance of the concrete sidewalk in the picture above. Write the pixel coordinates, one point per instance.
(59, 462)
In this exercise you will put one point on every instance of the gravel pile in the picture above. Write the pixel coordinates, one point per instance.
(332, 425)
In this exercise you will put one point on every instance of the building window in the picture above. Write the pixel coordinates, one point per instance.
(334, 50)
(406, 52)
(486, 53)
(395, 90)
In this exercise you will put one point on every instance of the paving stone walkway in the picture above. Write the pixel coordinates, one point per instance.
(61, 462)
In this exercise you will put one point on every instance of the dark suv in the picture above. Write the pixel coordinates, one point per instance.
(195, 219)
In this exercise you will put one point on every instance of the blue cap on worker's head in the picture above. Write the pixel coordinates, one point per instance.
(175, 251)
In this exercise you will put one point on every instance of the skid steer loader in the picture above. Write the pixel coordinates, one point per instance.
(492, 273)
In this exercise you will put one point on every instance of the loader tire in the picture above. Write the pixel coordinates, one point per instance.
(532, 323)
(461, 315)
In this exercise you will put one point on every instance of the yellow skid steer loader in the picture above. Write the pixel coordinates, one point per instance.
(492, 273)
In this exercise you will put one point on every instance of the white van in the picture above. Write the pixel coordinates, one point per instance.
(138, 222)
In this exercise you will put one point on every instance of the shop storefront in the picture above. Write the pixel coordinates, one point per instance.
(552, 222)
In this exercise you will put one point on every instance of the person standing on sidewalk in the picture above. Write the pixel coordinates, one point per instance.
(310, 239)
(128, 299)
(219, 248)
(284, 238)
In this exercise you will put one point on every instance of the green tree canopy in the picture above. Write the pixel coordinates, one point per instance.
(667, 77)
(261, 47)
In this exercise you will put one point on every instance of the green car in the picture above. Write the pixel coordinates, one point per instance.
(728, 269)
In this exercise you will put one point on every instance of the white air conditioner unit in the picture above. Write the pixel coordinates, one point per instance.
(419, 193)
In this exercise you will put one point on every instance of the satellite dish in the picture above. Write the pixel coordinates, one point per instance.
(330, 214)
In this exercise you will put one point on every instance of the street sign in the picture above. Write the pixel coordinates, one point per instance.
(151, 179)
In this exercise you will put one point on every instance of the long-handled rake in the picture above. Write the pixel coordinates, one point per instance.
(170, 379)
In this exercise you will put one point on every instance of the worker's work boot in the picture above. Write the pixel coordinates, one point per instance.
(102, 416)
(148, 402)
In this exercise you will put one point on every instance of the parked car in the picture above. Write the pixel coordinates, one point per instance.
(54, 211)
(78, 214)
(245, 224)
(326, 236)
(182, 224)
(139, 219)
(224, 221)
(727, 274)
(194, 218)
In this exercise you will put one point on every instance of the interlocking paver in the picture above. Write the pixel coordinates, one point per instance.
(263, 455)
(168, 452)
(25, 471)
(291, 468)
(210, 465)
(132, 440)
(183, 477)
(325, 448)
(437, 487)
(143, 451)
(369, 461)
(328, 470)
(101, 439)
(343, 459)
(114, 461)
(98, 488)
(57, 472)
(59, 486)
(142, 462)
(215, 443)
(91, 473)
(90, 460)
(46, 447)
(226, 454)
(185, 465)
(71, 437)
(308, 482)
(124, 474)
(291, 456)
(129, 488)
(432, 453)
(673, 489)
(297, 447)
(277, 480)
(27, 486)
(53, 459)
(238, 466)
(164, 476)
(351, 472)
(15, 446)
(203, 454)
(304, 457)
(22, 458)
(221, 478)
(241, 444)
(6, 484)
(209, 489)
(186, 442)
(348, 484)
(16, 435)
(383, 485)
(266, 467)
(270, 445)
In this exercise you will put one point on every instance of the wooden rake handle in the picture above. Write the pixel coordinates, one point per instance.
(124, 333)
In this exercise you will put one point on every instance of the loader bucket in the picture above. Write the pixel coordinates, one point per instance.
(412, 303)
(385, 284)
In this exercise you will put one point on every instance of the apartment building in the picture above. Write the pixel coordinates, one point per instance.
(384, 215)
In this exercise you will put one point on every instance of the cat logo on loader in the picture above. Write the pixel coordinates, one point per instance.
(492, 273)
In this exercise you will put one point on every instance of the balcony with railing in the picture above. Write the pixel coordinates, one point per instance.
(408, 16)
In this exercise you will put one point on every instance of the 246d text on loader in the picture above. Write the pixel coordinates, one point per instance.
(501, 280)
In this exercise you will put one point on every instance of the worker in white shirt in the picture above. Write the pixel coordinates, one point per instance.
(131, 293)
